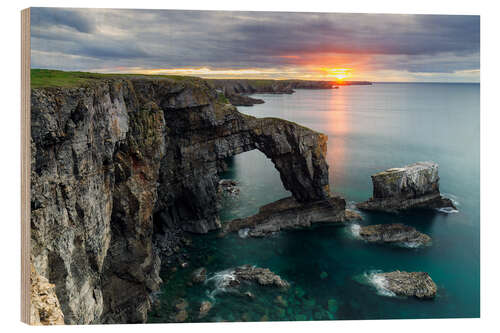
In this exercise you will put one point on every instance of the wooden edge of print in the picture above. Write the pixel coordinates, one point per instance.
(25, 166)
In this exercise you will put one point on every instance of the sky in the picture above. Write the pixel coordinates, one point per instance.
(274, 45)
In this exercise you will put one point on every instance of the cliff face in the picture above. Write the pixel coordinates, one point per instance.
(236, 90)
(243, 86)
(125, 163)
(45, 308)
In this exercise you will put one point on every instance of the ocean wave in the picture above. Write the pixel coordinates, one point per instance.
(379, 282)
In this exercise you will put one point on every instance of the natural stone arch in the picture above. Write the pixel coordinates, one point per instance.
(297, 152)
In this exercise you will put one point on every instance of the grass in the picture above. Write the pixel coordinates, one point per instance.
(45, 78)
(222, 99)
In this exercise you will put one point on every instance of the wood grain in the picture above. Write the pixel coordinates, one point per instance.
(25, 166)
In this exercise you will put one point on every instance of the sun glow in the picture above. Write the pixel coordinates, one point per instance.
(338, 73)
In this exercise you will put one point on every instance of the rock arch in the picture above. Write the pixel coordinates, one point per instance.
(297, 152)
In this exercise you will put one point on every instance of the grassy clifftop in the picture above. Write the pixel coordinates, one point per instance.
(45, 78)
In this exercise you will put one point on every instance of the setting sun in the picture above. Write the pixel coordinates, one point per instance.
(339, 73)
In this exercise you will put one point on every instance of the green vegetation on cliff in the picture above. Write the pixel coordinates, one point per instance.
(45, 78)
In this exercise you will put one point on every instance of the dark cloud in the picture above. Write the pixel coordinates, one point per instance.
(45, 17)
(92, 39)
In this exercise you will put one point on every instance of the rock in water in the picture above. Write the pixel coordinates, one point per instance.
(199, 275)
(393, 233)
(181, 304)
(281, 301)
(288, 214)
(418, 284)
(412, 186)
(263, 276)
(181, 316)
(204, 308)
(234, 278)
(228, 186)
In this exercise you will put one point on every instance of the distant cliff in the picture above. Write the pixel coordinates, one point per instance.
(237, 89)
(121, 165)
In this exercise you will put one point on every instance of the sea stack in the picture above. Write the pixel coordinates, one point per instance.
(412, 186)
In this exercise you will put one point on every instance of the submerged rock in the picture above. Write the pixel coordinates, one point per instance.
(281, 301)
(204, 308)
(228, 186)
(181, 304)
(393, 233)
(249, 294)
(181, 316)
(288, 214)
(199, 275)
(409, 187)
(418, 284)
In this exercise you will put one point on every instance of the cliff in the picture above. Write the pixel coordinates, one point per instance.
(45, 308)
(237, 89)
(123, 165)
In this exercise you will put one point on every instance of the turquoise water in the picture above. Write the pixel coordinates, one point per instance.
(370, 128)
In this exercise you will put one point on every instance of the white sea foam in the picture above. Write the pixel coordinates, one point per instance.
(355, 230)
(351, 205)
(452, 197)
(447, 210)
(379, 282)
(243, 233)
(221, 282)
(410, 245)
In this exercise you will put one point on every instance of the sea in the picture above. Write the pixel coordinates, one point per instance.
(332, 271)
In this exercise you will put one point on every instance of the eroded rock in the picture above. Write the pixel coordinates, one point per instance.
(229, 187)
(234, 278)
(45, 308)
(418, 284)
(199, 275)
(409, 187)
(181, 316)
(286, 214)
(393, 233)
(181, 304)
(205, 308)
(263, 276)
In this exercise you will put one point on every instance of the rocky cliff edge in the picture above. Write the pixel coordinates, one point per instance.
(120, 165)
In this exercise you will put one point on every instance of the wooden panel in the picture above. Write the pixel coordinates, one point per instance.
(25, 166)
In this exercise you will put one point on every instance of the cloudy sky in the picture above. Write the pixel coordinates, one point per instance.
(219, 44)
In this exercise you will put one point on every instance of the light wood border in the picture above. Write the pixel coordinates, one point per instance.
(25, 165)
